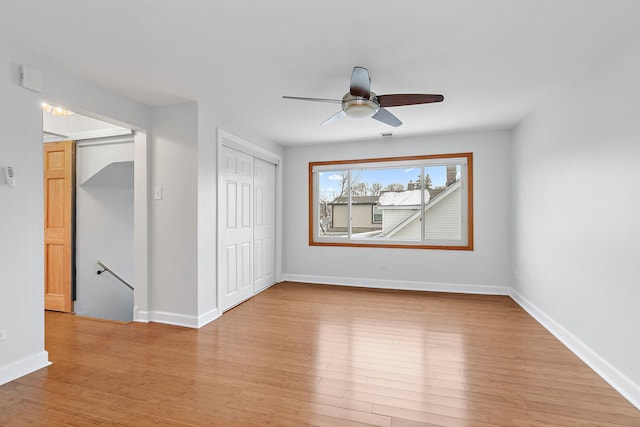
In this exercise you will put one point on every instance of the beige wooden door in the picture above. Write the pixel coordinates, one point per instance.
(59, 182)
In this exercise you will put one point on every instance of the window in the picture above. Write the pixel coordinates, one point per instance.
(408, 202)
(377, 214)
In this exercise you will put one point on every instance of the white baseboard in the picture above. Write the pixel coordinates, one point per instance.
(208, 317)
(625, 386)
(177, 319)
(140, 315)
(23, 367)
(400, 285)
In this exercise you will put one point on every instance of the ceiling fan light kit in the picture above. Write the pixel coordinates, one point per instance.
(360, 102)
(359, 107)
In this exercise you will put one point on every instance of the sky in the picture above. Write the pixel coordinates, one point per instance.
(330, 181)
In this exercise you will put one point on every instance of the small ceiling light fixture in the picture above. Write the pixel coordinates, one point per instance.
(56, 111)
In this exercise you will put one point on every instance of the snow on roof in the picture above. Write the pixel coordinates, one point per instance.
(355, 200)
(402, 198)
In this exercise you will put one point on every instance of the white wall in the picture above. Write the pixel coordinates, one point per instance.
(181, 263)
(207, 216)
(86, 98)
(485, 269)
(576, 216)
(183, 224)
(21, 233)
(21, 225)
(92, 156)
(173, 267)
(104, 229)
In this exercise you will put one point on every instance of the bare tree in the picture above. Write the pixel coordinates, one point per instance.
(394, 187)
(344, 181)
(324, 211)
(359, 189)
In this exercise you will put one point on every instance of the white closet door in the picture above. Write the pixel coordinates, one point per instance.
(264, 231)
(236, 257)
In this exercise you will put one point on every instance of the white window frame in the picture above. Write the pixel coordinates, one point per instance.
(373, 215)
(465, 160)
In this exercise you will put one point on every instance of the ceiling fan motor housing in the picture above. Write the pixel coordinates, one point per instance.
(358, 106)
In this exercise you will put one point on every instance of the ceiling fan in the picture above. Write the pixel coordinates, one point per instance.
(360, 101)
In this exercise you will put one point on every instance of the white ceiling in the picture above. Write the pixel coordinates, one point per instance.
(77, 127)
(495, 61)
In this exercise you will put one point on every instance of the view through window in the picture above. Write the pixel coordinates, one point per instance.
(416, 202)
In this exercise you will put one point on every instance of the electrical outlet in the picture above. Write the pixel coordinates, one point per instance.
(384, 267)
(3, 334)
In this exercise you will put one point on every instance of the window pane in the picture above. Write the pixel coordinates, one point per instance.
(442, 215)
(419, 202)
(333, 211)
(393, 194)
(377, 215)
(366, 185)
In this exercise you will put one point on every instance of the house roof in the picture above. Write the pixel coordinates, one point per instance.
(357, 200)
(402, 198)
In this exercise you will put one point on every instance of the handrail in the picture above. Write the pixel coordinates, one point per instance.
(105, 268)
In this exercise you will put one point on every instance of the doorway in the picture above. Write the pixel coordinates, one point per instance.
(109, 230)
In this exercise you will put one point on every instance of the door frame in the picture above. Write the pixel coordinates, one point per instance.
(141, 210)
(226, 139)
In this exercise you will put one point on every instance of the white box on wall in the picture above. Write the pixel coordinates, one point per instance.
(31, 79)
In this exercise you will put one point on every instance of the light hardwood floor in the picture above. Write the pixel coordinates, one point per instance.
(301, 354)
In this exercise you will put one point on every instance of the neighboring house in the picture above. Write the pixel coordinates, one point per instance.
(396, 214)
(401, 214)
(365, 216)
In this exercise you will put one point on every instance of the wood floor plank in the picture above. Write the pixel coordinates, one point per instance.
(302, 354)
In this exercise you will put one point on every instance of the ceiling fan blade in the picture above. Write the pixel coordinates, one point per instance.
(360, 82)
(398, 100)
(340, 114)
(385, 116)
(333, 101)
